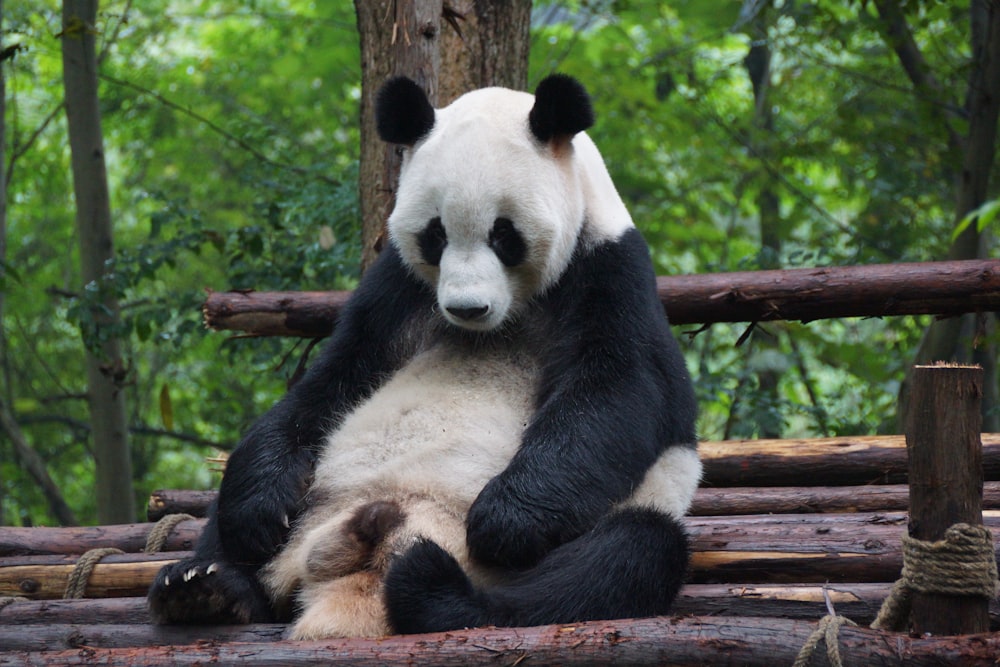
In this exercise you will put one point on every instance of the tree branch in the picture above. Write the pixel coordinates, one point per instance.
(245, 145)
(30, 459)
(897, 34)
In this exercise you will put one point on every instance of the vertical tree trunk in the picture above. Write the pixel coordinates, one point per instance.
(448, 47)
(3, 239)
(105, 368)
(772, 232)
(956, 339)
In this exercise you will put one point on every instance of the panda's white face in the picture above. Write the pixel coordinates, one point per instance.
(486, 214)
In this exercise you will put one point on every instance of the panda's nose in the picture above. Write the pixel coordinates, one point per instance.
(468, 313)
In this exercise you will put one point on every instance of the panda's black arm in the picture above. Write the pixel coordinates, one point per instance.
(268, 473)
(615, 393)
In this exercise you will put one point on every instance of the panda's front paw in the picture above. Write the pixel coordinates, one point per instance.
(198, 590)
(502, 530)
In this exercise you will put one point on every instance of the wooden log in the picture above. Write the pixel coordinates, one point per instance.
(172, 501)
(76, 540)
(90, 611)
(45, 577)
(859, 602)
(820, 499)
(946, 482)
(695, 640)
(855, 460)
(60, 636)
(707, 501)
(790, 548)
(937, 288)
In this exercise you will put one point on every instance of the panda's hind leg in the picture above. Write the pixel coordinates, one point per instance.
(631, 564)
(342, 591)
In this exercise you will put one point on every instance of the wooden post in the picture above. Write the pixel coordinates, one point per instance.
(946, 482)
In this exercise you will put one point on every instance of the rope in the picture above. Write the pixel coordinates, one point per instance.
(962, 563)
(76, 583)
(157, 537)
(827, 631)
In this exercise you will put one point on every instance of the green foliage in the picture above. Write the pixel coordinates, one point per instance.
(231, 131)
(232, 143)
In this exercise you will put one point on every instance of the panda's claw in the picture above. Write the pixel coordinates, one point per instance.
(166, 580)
(214, 567)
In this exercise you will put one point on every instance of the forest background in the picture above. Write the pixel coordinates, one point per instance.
(741, 135)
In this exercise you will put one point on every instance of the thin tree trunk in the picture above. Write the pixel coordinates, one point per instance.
(962, 339)
(3, 241)
(105, 367)
(765, 363)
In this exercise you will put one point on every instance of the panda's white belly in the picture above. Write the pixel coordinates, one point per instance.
(442, 426)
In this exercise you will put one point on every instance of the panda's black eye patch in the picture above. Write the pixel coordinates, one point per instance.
(432, 240)
(507, 242)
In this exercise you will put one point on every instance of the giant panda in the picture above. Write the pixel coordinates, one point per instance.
(500, 430)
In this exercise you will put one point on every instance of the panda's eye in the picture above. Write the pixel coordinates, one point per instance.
(507, 242)
(432, 241)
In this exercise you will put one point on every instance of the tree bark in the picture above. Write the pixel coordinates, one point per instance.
(105, 368)
(935, 288)
(858, 602)
(946, 482)
(446, 47)
(817, 499)
(695, 640)
(130, 537)
(846, 461)
(45, 577)
(172, 501)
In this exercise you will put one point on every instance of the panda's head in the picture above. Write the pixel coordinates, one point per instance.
(491, 198)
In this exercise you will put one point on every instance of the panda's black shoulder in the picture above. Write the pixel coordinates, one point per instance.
(612, 273)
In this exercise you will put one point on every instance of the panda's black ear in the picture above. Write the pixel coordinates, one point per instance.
(562, 108)
(402, 112)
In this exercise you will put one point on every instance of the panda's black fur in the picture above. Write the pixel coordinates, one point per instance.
(515, 287)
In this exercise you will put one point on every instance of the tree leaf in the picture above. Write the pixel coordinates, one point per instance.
(983, 215)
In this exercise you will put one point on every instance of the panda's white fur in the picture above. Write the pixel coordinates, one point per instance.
(451, 419)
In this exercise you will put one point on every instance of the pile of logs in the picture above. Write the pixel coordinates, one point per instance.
(769, 560)
(784, 532)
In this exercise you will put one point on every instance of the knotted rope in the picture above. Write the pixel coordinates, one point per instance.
(157, 537)
(827, 630)
(962, 563)
(76, 583)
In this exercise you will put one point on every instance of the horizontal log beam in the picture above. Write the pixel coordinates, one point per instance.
(858, 602)
(759, 549)
(675, 640)
(707, 502)
(819, 499)
(844, 461)
(925, 288)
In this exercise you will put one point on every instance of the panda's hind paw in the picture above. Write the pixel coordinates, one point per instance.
(197, 590)
(426, 590)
